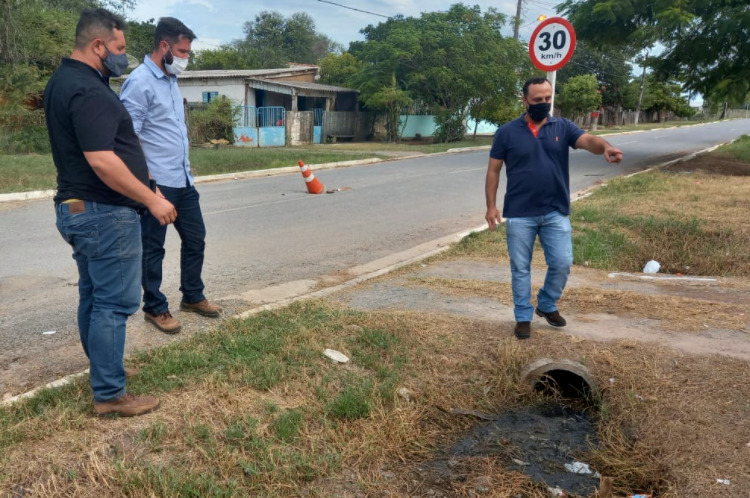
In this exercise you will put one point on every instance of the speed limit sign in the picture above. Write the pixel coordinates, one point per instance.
(552, 44)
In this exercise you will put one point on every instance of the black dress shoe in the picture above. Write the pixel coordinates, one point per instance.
(522, 330)
(554, 318)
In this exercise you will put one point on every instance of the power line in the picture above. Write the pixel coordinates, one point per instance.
(353, 8)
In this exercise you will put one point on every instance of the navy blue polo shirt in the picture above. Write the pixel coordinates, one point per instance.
(536, 167)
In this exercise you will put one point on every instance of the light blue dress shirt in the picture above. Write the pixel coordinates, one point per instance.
(154, 102)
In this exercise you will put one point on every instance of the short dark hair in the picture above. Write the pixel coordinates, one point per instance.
(93, 23)
(170, 30)
(533, 81)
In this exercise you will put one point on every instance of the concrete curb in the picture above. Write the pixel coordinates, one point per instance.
(47, 194)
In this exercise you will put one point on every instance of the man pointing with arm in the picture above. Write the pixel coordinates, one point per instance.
(535, 149)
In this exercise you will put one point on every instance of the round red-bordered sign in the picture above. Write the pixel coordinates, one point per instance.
(552, 44)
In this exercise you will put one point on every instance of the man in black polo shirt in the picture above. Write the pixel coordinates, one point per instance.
(102, 183)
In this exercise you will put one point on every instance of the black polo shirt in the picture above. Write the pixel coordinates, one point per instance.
(84, 114)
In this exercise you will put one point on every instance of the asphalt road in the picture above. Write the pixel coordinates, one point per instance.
(268, 233)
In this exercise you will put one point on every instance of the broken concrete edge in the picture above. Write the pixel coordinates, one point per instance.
(661, 277)
(537, 369)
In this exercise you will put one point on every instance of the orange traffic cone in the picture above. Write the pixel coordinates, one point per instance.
(313, 184)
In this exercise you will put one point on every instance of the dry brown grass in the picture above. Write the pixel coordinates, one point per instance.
(676, 313)
(668, 423)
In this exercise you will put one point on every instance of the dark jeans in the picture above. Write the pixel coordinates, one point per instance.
(106, 247)
(192, 231)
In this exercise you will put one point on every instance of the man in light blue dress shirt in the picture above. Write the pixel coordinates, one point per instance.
(153, 99)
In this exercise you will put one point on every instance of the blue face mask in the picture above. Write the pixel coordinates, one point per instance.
(116, 64)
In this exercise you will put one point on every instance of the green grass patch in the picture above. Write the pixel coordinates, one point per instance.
(236, 159)
(629, 222)
(256, 446)
(691, 224)
(22, 173)
(739, 149)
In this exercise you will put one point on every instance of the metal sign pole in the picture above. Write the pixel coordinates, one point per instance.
(552, 76)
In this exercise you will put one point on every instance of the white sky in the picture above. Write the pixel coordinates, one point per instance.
(220, 21)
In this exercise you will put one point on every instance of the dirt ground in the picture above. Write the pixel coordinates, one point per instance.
(699, 320)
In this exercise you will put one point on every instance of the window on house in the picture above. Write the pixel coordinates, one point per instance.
(209, 96)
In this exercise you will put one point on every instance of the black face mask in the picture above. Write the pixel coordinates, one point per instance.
(537, 112)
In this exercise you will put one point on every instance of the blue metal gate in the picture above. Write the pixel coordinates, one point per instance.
(318, 126)
(260, 127)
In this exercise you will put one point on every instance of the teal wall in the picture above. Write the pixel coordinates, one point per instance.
(425, 126)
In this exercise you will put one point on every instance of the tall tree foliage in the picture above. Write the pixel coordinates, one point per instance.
(610, 66)
(707, 42)
(339, 69)
(140, 38)
(271, 41)
(579, 95)
(659, 97)
(446, 60)
(34, 37)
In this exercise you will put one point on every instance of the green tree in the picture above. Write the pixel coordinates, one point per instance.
(271, 41)
(339, 69)
(579, 96)
(658, 97)
(445, 59)
(228, 56)
(390, 100)
(277, 41)
(706, 43)
(610, 66)
(140, 38)
(33, 40)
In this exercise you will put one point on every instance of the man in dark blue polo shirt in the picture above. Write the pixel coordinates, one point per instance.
(535, 149)
(102, 185)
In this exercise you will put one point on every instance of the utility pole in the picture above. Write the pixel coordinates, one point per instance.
(640, 95)
(517, 22)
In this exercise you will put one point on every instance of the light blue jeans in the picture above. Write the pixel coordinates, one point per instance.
(106, 243)
(554, 232)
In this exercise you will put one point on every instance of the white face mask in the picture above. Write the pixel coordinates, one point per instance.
(178, 65)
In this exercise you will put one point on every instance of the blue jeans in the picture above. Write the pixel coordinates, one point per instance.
(106, 247)
(192, 231)
(554, 234)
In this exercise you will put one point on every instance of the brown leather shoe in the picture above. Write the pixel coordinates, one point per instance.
(522, 330)
(164, 322)
(127, 405)
(554, 318)
(202, 308)
(130, 372)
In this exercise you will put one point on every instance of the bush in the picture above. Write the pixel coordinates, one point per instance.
(212, 121)
(23, 132)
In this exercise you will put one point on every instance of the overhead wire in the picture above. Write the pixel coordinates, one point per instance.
(354, 8)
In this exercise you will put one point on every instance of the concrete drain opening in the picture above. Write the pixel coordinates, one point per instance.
(545, 441)
(561, 378)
